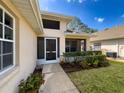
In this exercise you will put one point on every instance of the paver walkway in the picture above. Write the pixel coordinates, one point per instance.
(56, 80)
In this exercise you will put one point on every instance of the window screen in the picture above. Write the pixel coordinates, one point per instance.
(50, 24)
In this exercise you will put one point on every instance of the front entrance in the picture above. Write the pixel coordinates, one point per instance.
(51, 50)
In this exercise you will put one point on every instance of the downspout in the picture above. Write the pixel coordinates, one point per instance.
(118, 52)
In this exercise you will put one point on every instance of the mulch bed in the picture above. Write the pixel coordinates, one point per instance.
(71, 67)
(38, 71)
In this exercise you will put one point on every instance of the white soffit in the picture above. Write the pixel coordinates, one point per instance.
(31, 12)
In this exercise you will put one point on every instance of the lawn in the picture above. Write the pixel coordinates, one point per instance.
(101, 80)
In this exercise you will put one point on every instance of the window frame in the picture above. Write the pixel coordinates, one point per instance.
(51, 21)
(98, 45)
(6, 69)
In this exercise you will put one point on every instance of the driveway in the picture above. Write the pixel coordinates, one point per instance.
(56, 80)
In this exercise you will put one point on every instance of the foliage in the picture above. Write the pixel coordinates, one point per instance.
(84, 53)
(84, 64)
(33, 82)
(78, 26)
(86, 59)
(96, 60)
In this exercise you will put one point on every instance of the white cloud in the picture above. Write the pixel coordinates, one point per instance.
(81, 1)
(122, 16)
(53, 0)
(95, 0)
(99, 19)
(46, 9)
(68, 1)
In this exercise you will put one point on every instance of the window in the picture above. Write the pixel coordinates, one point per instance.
(50, 24)
(6, 40)
(97, 46)
(71, 45)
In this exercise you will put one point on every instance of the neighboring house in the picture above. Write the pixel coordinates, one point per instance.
(28, 37)
(110, 40)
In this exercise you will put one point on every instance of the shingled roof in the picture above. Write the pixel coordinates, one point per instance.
(112, 33)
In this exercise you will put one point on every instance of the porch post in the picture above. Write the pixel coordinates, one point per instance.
(85, 46)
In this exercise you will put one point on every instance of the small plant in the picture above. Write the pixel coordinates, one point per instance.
(84, 65)
(95, 63)
(103, 63)
(32, 84)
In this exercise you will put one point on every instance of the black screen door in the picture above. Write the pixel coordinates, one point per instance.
(50, 49)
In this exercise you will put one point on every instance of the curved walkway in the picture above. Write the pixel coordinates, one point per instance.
(56, 80)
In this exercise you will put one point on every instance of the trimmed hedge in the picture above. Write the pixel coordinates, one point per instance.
(84, 53)
(79, 56)
(86, 59)
(96, 61)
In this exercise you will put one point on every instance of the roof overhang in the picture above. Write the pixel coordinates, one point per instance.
(31, 12)
(109, 34)
(104, 39)
(76, 36)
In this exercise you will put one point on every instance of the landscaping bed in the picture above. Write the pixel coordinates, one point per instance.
(32, 83)
(71, 67)
(75, 61)
(108, 79)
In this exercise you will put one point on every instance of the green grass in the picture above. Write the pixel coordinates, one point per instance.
(101, 80)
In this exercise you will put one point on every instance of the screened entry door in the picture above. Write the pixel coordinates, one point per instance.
(51, 49)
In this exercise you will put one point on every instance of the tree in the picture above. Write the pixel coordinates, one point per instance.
(77, 26)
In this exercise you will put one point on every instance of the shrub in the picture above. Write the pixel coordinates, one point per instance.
(32, 83)
(103, 63)
(78, 56)
(88, 53)
(86, 58)
(84, 65)
(84, 53)
(72, 57)
(96, 61)
(97, 52)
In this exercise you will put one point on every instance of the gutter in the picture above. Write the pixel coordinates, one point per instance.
(37, 14)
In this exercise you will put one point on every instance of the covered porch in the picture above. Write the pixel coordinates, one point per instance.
(76, 42)
(72, 45)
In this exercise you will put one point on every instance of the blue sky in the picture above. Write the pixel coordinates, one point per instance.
(98, 14)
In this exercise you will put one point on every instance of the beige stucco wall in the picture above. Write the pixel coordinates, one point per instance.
(27, 55)
(88, 43)
(116, 45)
(110, 45)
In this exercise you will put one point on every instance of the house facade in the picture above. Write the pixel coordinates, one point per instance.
(110, 40)
(56, 39)
(29, 37)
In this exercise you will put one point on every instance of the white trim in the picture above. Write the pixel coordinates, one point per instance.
(3, 39)
(8, 26)
(50, 61)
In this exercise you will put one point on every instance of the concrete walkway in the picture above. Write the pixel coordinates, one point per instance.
(56, 80)
(116, 59)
